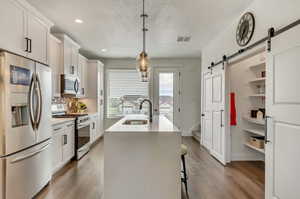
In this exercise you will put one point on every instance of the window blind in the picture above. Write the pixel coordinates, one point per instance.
(124, 88)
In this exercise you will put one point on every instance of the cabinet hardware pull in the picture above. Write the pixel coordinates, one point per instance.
(27, 44)
(65, 137)
(57, 129)
(30, 45)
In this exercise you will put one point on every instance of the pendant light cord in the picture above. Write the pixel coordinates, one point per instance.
(144, 28)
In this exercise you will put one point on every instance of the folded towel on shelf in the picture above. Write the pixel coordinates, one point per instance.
(233, 121)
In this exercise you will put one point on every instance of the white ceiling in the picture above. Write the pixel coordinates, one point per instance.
(116, 26)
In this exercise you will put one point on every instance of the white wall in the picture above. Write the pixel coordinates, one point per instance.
(191, 73)
(268, 13)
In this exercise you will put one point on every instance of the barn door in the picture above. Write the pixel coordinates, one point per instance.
(206, 122)
(213, 101)
(217, 114)
(283, 121)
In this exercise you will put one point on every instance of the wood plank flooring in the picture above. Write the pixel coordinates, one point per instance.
(208, 179)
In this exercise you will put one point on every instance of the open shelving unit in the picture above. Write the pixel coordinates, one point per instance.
(255, 127)
(254, 148)
(254, 121)
(258, 95)
(258, 80)
(258, 66)
(255, 131)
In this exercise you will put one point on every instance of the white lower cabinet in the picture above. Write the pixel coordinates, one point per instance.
(63, 144)
(56, 149)
(68, 142)
(95, 128)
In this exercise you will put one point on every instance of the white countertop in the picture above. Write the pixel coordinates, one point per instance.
(55, 121)
(160, 124)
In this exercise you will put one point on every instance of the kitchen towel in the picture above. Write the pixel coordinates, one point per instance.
(232, 110)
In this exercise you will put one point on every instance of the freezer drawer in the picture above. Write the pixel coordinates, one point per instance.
(28, 172)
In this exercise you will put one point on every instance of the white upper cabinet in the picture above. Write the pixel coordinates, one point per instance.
(25, 31)
(55, 63)
(37, 32)
(74, 60)
(67, 57)
(13, 35)
(95, 79)
(82, 73)
(70, 52)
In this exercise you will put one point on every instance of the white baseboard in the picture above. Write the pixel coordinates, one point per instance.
(244, 157)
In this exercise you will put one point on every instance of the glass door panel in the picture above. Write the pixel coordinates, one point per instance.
(166, 93)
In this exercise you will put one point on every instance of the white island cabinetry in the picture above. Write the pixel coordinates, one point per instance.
(142, 160)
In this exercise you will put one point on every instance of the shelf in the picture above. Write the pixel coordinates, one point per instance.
(255, 131)
(258, 80)
(258, 95)
(260, 65)
(255, 121)
(254, 148)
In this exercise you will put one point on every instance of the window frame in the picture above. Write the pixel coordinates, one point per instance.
(107, 88)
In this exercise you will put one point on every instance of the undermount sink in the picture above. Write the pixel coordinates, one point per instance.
(135, 122)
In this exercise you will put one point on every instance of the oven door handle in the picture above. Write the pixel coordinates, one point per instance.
(80, 126)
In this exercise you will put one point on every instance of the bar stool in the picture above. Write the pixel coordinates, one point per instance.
(184, 151)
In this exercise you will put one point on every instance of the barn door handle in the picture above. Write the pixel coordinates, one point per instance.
(221, 111)
(266, 129)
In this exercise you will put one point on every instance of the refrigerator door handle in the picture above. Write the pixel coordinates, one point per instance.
(18, 159)
(40, 102)
(30, 101)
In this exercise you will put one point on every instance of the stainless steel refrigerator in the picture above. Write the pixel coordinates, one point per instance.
(25, 127)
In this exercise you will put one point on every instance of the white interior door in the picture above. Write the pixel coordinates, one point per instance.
(166, 94)
(206, 123)
(213, 114)
(217, 108)
(283, 125)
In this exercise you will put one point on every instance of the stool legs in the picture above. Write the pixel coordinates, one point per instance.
(184, 179)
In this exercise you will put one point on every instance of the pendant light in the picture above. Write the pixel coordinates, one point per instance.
(143, 60)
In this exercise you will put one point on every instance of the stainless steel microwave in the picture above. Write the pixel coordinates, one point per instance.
(70, 85)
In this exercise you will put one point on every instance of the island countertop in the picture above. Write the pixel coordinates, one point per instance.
(160, 124)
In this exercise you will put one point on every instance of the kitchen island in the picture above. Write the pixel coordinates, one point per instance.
(142, 159)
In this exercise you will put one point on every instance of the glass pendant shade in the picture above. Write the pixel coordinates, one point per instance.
(143, 66)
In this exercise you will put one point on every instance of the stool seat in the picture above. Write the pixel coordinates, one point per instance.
(184, 149)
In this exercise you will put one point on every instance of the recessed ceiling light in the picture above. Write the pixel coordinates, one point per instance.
(104, 50)
(78, 21)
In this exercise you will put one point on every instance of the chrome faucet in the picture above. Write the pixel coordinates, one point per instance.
(150, 108)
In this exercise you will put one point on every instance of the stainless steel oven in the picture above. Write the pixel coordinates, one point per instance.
(70, 85)
(82, 136)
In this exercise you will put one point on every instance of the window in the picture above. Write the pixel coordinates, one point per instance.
(125, 92)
